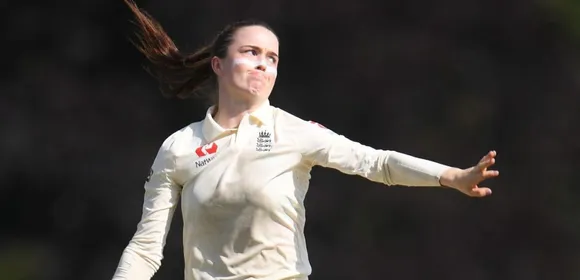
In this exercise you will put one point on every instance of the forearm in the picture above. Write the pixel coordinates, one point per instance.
(133, 266)
(406, 170)
(383, 166)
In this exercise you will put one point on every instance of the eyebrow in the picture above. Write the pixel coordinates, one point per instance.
(256, 47)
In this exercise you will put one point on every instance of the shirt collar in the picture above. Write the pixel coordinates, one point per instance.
(212, 130)
(263, 114)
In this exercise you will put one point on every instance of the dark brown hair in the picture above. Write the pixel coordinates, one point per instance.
(182, 75)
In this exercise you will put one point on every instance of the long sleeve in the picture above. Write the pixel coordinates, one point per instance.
(142, 256)
(328, 149)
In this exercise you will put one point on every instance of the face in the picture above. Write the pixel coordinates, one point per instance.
(250, 68)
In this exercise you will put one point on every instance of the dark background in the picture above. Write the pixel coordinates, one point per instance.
(447, 80)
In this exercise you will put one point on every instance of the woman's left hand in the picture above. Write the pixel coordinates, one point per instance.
(467, 180)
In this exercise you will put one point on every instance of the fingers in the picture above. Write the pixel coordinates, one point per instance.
(490, 174)
(480, 192)
(487, 160)
(489, 155)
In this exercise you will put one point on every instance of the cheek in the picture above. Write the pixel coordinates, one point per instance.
(238, 73)
(238, 68)
(230, 70)
(272, 79)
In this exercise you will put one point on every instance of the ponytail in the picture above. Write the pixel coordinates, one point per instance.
(180, 75)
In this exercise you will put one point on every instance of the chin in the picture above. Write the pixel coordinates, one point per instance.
(253, 94)
(256, 93)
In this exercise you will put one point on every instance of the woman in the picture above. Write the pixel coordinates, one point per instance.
(242, 172)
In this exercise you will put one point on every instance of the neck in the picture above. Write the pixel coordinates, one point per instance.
(231, 111)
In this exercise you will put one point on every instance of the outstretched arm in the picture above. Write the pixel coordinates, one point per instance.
(329, 149)
(142, 256)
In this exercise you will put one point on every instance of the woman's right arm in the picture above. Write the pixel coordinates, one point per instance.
(142, 256)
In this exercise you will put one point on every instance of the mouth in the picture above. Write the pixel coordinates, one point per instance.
(257, 74)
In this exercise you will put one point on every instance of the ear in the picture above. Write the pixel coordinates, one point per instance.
(216, 65)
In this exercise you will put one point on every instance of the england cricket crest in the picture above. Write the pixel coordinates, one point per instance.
(264, 141)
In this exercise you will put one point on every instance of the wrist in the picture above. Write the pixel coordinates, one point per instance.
(448, 177)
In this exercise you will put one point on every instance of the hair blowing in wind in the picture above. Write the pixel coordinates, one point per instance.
(181, 75)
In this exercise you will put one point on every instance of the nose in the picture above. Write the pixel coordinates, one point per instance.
(261, 66)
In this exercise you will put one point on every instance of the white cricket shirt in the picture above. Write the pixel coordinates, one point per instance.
(242, 192)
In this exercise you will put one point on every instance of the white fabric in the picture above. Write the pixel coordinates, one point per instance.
(242, 194)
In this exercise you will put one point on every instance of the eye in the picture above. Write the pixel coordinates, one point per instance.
(252, 52)
(273, 59)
